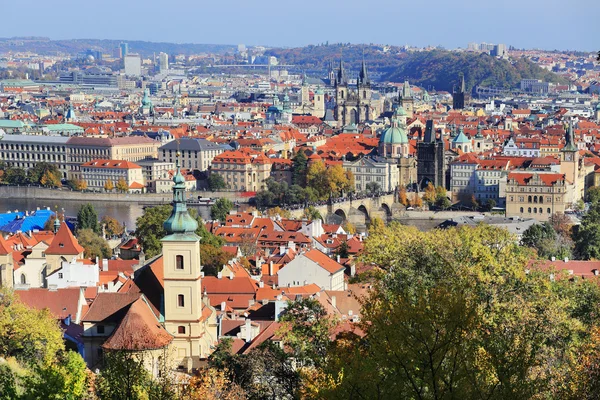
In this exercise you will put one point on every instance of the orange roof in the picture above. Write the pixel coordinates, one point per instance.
(323, 261)
(4, 248)
(523, 178)
(138, 330)
(64, 242)
(114, 164)
(136, 185)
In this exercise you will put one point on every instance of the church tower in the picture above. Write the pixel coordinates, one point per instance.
(182, 279)
(341, 95)
(364, 93)
(458, 97)
(304, 93)
(319, 103)
(406, 99)
(430, 158)
(6, 264)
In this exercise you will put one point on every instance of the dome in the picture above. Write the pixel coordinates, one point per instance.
(598, 106)
(393, 135)
(400, 112)
(461, 137)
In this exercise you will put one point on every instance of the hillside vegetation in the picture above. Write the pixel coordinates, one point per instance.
(442, 69)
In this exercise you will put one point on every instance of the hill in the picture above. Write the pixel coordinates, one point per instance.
(46, 46)
(442, 69)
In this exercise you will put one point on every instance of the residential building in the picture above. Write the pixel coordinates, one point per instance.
(74, 273)
(24, 151)
(490, 181)
(373, 169)
(243, 170)
(311, 267)
(536, 195)
(97, 173)
(195, 154)
(133, 65)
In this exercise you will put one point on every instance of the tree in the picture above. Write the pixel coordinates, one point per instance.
(264, 198)
(109, 185)
(299, 169)
(343, 250)
(318, 180)
(112, 226)
(310, 213)
(216, 182)
(416, 201)
(122, 185)
(339, 180)
(462, 320)
(220, 209)
(430, 195)
(93, 244)
(214, 384)
(50, 179)
(374, 187)
(65, 379)
(305, 329)
(278, 211)
(80, 184)
(149, 230)
(490, 204)
(213, 258)
(87, 218)
(402, 197)
(587, 237)
(474, 202)
(123, 376)
(349, 228)
(592, 195)
(15, 176)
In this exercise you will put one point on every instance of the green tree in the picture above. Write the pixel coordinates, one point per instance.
(592, 195)
(216, 182)
(374, 187)
(44, 174)
(299, 169)
(587, 237)
(15, 176)
(311, 213)
(65, 379)
(87, 218)
(462, 320)
(220, 209)
(150, 230)
(123, 376)
(305, 329)
(343, 249)
(94, 245)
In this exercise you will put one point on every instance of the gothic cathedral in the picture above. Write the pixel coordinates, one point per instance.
(352, 106)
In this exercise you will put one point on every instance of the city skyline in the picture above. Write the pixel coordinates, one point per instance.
(535, 24)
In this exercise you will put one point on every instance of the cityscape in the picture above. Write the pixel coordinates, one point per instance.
(328, 221)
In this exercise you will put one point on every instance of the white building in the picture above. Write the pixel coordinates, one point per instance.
(163, 62)
(133, 65)
(97, 173)
(380, 170)
(315, 267)
(75, 273)
(196, 154)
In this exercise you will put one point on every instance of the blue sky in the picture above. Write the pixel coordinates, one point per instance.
(547, 24)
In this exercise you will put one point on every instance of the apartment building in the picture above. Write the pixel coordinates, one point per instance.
(243, 170)
(97, 172)
(536, 195)
(195, 153)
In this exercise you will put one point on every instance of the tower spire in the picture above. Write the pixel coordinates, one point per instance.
(180, 222)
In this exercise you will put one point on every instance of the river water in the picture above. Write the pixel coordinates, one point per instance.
(124, 212)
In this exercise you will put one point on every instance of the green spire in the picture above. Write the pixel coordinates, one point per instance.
(570, 145)
(56, 221)
(180, 222)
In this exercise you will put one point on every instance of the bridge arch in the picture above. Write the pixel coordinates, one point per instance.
(342, 214)
(387, 209)
(364, 211)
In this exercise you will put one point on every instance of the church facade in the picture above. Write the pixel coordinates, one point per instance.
(353, 106)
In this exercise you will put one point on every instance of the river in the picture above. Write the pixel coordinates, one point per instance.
(124, 212)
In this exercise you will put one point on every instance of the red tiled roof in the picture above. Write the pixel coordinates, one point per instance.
(64, 243)
(4, 248)
(323, 261)
(114, 164)
(138, 330)
(60, 302)
(106, 305)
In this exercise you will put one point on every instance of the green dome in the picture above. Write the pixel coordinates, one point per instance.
(400, 112)
(461, 137)
(598, 106)
(393, 135)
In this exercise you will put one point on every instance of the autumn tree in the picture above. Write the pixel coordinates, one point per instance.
(416, 201)
(112, 226)
(349, 227)
(310, 213)
(318, 180)
(80, 184)
(109, 185)
(278, 211)
(402, 198)
(430, 194)
(122, 185)
(50, 179)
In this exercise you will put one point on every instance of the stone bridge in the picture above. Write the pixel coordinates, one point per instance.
(359, 211)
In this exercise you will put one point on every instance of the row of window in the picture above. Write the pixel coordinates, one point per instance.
(539, 210)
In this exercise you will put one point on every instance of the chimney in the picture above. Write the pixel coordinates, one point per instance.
(338, 258)
(248, 330)
(553, 258)
(219, 275)
(231, 275)
(271, 268)
(281, 249)
(261, 284)
(223, 306)
(566, 259)
(334, 301)
(104, 264)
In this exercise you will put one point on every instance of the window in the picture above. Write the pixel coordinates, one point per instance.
(100, 329)
(181, 330)
(60, 275)
(549, 212)
(521, 210)
(23, 279)
(180, 300)
(179, 262)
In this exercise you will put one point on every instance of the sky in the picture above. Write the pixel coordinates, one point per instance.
(544, 24)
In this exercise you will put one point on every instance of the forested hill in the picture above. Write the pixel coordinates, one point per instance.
(441, 70)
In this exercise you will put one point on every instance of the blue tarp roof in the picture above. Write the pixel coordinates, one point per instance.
(13, 222)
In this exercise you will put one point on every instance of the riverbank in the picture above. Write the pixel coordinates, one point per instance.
(38, 193)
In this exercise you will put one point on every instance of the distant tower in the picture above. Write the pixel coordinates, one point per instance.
(364, 94)
(458, 97)
(598, 112)
(124, 49)
(286, 115)
(406, 99)
(304, 93)
(182, 278)
(70, 116)
(331, 74)
(341, 95)
(430, 158)
(319, 103)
